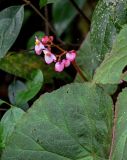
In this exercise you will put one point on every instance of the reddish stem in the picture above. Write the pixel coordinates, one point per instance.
(73, 63)
(61, 49)
(79, 70)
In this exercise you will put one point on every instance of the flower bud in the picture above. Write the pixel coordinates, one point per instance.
(47, 39)
(71, 55)
(59, 66)
(66, 62)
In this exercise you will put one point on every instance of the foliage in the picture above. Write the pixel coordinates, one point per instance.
(8, 123)
(62, 20)
(77, 126)
(111, 68)
(79, 121)
(11, 18)
(119, 143)
(20, 94)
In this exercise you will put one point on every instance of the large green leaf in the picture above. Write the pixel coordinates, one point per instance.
(73, 122)
(107, 20)
(23, 64)
(86, 60)
(119, 145)
(63, 14)
(110, 70)
(20, 64)
(9, 121)
(10, 24)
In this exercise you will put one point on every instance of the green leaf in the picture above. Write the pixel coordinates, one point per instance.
(42, 3)
(10, 24)
(107, 20)
(9, 121)
(104, 28)
(119, 145)
(1, 138)
(52, 1)
(14, 89)
(23, 64)
(124, 76)
(20, 64)
(1, 102)
(86, 59)
(19, 93)
(73, 122)
(110, 70)
(33, 86)
(63, 13)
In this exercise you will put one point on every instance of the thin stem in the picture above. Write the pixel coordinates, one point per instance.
(43, 18)
(61, 49)
(73, 63)
(80, 11)
(3, 109)
(8, 104)
(46, 24)
(60, 55)
(79, 71)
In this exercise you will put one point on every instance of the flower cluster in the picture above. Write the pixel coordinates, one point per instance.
(44, 46)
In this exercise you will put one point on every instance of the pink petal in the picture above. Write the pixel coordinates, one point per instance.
(41, 46)
(38, 46)
(71, 55)
(37, 50)
(53, 57)
(46, 51)
(49, 57)
(66, 62)
(47, 39)
(59, 66)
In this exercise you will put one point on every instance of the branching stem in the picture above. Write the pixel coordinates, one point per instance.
(43, 18)
(77, 68)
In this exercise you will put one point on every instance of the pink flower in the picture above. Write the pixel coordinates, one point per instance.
(59, 66)
(47, 39)
(49, 57)
(71, 55)
(66, 62)
(38, 46)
